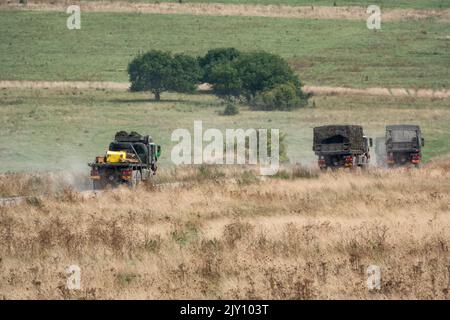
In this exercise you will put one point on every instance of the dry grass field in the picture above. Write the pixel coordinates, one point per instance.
(301, 235)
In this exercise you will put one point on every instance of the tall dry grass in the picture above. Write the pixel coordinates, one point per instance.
(300, 236)
(43, 183)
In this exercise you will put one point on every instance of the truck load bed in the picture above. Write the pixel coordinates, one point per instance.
(336, 139)
(403, 138)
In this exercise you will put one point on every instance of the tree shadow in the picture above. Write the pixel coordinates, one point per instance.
(165, 101)
(153, 101)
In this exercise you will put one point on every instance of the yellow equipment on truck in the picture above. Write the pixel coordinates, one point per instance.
(116, 156)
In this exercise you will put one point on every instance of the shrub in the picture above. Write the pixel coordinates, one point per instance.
(230, 109)
(246, 178)
(282, 145)
(282, 97)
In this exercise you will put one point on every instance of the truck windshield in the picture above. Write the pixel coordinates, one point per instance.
(403, 135)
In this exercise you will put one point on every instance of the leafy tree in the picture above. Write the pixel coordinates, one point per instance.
(214, 57)
(225, 80)
(260, 71)
(158, 71)
(186, 73)
(264, 80)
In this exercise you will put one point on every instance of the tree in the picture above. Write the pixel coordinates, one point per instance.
(186, 73)
(225, 80)
(265, 80)
(158, 71)
(214, 57)
(261, 71)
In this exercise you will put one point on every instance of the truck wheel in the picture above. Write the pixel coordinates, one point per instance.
(135, 179)
(364, 166)
(146, 174)
(111, 181)
(97, 185)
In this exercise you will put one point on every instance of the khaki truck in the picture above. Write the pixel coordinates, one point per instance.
(341, 146)
(404, 145)
(130, 158)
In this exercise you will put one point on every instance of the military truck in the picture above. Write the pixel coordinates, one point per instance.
(341, 146)
(130, 158)
(404, 145)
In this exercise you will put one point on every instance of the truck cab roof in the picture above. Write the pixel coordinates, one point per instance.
(403, 127)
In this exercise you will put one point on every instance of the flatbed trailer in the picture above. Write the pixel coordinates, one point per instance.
(106, 175)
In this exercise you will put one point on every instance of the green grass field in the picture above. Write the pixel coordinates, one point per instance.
(38, 46)
(64, 129)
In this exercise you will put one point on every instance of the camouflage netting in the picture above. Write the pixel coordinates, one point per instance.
(352, 134)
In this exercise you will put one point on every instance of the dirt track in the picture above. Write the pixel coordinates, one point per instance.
(216, 9)
(397, 92)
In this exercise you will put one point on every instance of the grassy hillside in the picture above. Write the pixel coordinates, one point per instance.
(38, 46)
(278, 239)
(64, 129)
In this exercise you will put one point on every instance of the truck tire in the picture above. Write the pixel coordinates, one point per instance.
(146, 174)
(135, 179)
(98, 185)
(111, 181)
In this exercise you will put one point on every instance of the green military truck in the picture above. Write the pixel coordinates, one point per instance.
(341, 146)
(403, 145)
(130, 158)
